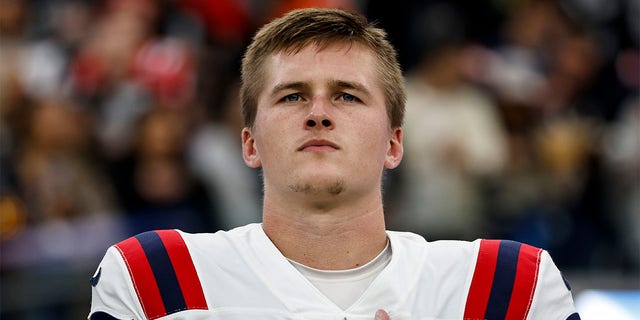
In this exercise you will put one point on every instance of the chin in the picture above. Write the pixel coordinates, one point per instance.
(331, 187)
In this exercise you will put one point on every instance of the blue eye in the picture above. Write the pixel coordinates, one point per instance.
(348, 98)
(292, 97)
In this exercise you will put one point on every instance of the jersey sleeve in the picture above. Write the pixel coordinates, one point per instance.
(112, 292)
(513, 280)
(552, 298)
(148, 276)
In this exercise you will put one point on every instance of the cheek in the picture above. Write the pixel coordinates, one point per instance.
(374, 139)
(270, 139)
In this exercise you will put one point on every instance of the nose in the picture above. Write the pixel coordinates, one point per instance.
(311, 123)
(318, 116)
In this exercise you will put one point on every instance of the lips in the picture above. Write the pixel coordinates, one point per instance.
(318, 145)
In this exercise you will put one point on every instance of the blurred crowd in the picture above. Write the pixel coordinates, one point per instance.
(120, 116)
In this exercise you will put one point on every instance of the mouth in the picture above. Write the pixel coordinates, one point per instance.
(318, 145)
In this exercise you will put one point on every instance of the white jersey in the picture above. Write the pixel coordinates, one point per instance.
(240, 274)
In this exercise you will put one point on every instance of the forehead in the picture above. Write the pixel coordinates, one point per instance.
(314, 64)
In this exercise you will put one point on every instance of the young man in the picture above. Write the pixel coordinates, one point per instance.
(323, 100)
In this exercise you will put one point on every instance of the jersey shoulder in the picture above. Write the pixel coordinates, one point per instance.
(156, 273)
(154, 276)
(513, 280)
(493, 278)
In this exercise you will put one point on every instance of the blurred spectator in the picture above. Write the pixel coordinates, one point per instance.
(515, 68)
(35, 65)
(226, 21)
(101, 72)
(55, 159)
(14, 110)
(166, 68)
(154, 184)
(453, 136)
(216, 157)
(552, 194)
(622, 153)
(58, 210)
(107, 54)
(13, 19)
(70, 23)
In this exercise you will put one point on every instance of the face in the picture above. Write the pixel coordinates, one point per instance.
(321, 126)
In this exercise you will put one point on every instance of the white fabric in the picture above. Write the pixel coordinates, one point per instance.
(344, 287)
(244, 276)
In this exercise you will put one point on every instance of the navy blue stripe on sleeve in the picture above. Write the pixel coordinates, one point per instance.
(574, 316)
(503, 280)
(163, 271)
(102, 316)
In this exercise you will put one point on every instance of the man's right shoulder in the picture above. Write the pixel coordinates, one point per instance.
(156, 242)
(157, 273)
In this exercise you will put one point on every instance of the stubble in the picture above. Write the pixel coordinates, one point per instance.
(335, 188)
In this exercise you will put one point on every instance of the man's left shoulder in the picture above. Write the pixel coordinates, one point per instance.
(499, 251)
(455, 250)
(517, 281)
(440, 254)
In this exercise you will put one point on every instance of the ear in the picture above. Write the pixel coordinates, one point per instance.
(395, 152)
(249, 151)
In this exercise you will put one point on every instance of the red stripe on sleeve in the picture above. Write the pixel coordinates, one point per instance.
(525, 282)
(482, 280)
(142, 277)
(184, 269)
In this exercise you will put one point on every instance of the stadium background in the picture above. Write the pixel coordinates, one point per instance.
(120, 116)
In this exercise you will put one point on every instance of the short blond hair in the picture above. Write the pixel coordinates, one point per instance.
(300, 28)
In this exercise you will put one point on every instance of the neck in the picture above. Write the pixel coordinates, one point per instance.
(338, 238)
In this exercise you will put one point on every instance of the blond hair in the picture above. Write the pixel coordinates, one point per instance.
(300, 28)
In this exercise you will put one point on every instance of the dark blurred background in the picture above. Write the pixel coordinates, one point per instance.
(120, 116)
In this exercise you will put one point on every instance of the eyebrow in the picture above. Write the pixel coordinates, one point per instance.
(341, 84)
(333, 84)
(297, 86)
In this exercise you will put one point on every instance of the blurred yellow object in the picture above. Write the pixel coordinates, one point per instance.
(12, 216)
(563, 146)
